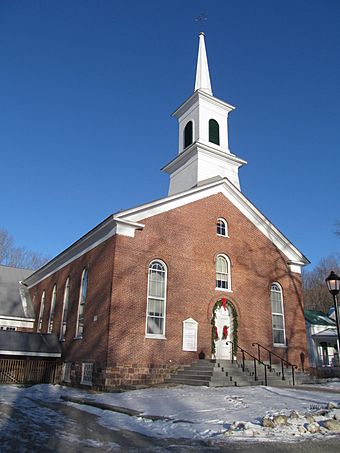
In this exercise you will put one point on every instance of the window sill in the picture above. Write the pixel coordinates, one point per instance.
(86, 383)
(155, 336)
(222, 235)
(278, 345)
(78, 338)
(224, 290)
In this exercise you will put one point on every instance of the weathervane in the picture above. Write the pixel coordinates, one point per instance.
(202, 18)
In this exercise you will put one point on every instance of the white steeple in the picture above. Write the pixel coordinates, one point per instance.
(203, 148)
(202, 81)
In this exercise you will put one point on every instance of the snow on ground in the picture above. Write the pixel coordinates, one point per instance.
(201, 412)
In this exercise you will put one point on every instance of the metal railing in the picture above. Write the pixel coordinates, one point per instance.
(283, 361)
(256, 361)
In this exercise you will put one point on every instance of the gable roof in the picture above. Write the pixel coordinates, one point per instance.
(12, 294)
(127, 222)
(235, 196)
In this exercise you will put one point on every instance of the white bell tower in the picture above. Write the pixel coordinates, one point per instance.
(203, 136)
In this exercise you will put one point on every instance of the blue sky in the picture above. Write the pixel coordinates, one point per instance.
(87, 89)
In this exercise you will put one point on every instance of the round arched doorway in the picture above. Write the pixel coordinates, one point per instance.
(224, 329)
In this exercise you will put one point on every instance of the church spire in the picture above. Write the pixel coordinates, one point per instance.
(202, 70)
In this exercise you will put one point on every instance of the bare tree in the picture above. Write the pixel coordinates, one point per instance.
(315, 292)
(337, 228)
(11, 255)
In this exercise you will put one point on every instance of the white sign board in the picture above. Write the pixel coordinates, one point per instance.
(190, 335)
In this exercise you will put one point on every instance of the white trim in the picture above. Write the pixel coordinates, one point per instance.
(155, 336)
(160, 336)
(52, 309)
(41, 311)
(16, 318)
(102, 232)
(66, 298)
(201, 94)
(278, 314)
(228, 289)
(85, 272)
(125, 228)
(35, 354)
(132, 216)
(221, 219)
(227, 189)
(208, 148)
(28, 323)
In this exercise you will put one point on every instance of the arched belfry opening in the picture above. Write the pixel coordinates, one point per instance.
(188, 134)
(214, 132)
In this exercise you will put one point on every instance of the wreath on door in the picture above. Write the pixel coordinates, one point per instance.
(225, 303)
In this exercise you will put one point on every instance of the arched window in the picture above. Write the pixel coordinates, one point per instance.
(214, 132)
(52, 309)
(156, 305)
(65, 310)
(223, 280)
(41, 311)
(278, 322)
(81, 305)
(221, 227)
(188, 134)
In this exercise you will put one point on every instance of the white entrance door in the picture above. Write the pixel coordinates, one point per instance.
(223, 323)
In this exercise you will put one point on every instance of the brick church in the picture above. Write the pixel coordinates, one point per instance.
(201, 271)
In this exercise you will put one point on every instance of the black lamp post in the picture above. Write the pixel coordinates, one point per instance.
(333, 285)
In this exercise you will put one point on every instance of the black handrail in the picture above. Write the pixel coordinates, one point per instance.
(283, 361)
(255, 359)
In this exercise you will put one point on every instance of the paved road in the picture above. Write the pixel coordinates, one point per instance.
(45, 427)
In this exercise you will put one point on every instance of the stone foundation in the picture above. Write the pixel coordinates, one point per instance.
(132, 375)
(121, 376)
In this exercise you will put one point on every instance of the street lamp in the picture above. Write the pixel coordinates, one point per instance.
(333, 285)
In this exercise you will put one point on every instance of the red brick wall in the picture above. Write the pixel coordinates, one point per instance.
(185, 239)
(93, 346)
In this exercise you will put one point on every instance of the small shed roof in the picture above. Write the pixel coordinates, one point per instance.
(29, 344)
(318, 318)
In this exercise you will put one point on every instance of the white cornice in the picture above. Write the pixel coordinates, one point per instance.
(196, 97)
(31, 354)
(197, 147)
(106, 229)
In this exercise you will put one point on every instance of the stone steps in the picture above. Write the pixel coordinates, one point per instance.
(223, 373)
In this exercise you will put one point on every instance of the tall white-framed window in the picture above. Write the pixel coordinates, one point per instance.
(221, 227)
(156, 304)
(52, 309)
(81, 304)
(41, 311)
(223, 277)
(278, 321)
(86, 373)
(64, 314)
